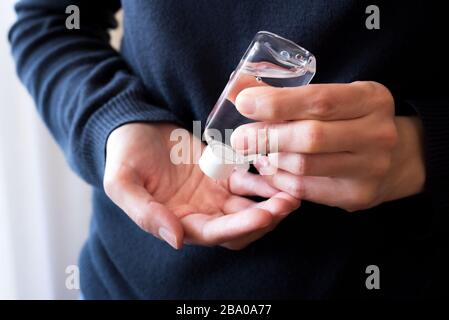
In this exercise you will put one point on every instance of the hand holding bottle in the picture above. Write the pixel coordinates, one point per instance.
(338, 144)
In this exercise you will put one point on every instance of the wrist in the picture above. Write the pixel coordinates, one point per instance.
(407, 172)
(128, 135)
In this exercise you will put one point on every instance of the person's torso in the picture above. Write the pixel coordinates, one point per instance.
(184, 51)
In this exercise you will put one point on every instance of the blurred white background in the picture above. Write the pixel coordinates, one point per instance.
(44, 207)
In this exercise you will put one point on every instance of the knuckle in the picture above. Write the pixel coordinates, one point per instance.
(384, 94)
(302, 164)
(362, 197)
(383, 97)
(234, 246)
(351, 208)
(388, 136)
(313, 137)
(296, 188)
(321, 106)
(367, 86)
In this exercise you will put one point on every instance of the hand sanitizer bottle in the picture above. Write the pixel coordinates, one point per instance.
(270, 60)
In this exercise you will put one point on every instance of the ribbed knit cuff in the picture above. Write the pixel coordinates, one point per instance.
(125, 108)
(435, 119)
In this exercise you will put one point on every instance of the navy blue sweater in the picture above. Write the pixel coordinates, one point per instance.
(175, 59)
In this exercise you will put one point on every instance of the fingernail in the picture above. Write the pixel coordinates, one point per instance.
(245, 103)
(262, 165)
(168, 237)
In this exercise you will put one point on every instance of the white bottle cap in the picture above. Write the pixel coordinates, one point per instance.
(218, 161)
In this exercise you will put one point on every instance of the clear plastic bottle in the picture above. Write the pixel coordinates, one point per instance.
(270, 60)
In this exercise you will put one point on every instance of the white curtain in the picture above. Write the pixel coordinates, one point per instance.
(44, 207)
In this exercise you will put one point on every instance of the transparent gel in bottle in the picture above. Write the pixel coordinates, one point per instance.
(270, 60)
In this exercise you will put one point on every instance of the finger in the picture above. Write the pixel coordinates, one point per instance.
(204, 229)
(237, 203)
(345, 194)
(243, 242)
(306, 136)
(280, 206)
(249, 184)
(311, 102)
(321, 164)
(324, 190)
(148, 214)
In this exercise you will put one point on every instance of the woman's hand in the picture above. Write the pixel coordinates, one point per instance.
(338, 144)
(178, 203)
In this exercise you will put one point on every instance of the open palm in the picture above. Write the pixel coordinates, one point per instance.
(178, 203)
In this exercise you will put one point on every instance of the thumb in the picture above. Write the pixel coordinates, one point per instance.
(150, 215)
